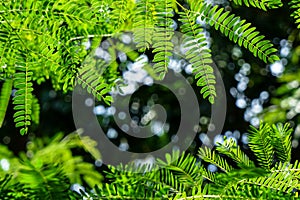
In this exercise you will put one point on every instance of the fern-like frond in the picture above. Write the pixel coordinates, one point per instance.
(288, 169)
(260, 143)
(210, 156)
(125, 191)
(176, 174)
(59, 151)
(233, 151)
(244, 193)
(4, 98)
(121, 11)
(239, 184)
(9, 42)
(198, 54)
(180, 171)
(48, 29)
(236, 175)
(261, 4)
(15, 191)
(180, 176)
(162, 37)
(99, 74)
(197, 193)
(47, 56)
(19, 191)
(144, 23)
(237, 30)
(23, 97)
(247, 182)
(47, 181)
(90, 77)
(276, 181)
(77, 15)
(137, 183)
(208, 175)
(248, 191)
(295, 6)
(281, 141)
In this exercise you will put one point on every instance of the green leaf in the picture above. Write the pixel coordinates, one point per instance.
(239, 32)
(198, 54)
(260, 144)
(23, 98)
(4, 98)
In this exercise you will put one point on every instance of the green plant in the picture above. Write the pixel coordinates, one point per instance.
(269, 176)
(294, 4)
(46, 40)
(48, 168)
(43, 40)
(50, 171)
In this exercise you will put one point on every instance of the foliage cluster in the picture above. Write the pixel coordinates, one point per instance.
(50, 173)
(44, 40)
(48, 168)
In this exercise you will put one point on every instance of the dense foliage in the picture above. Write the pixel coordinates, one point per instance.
(44, 40)
(59, 41)
(50, 171)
